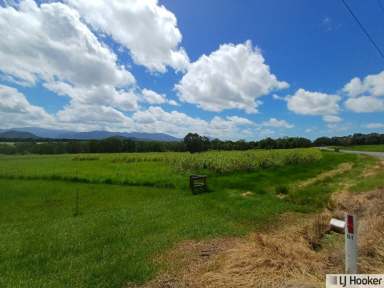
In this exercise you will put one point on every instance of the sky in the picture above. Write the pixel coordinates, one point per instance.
(230, 69)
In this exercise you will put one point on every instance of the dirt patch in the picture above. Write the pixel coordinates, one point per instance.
(187, 260)
(281, 196)
(297, 254)
(342, 168)
(372, 171)
(247, 194)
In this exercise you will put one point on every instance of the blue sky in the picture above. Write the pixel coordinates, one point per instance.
(228, 69)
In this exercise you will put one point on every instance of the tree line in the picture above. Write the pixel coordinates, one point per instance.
(192, 142)
(351, 140)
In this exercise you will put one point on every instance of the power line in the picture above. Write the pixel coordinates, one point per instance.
(363, 29)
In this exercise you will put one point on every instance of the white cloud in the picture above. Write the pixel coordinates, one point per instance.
(331, 119)
(49, 43)
(93, 117)
(106, 95)
(232, 77)
(155, 119)
(372, 85)
(313, 103)
(146, 28)
(375, 125)
(365, 104)
(239, 121)
(365, 94)
(16, 111)
(173, 103)
(273, 122)
(354, 87)
(153, 97)
(277, 97)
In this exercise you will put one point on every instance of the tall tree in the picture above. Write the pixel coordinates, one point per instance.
(196, 143)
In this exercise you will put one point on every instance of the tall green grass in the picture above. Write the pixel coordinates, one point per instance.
(232, 161)
(147, 169)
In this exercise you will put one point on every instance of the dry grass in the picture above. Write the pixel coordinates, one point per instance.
(369, 209)
(375, 170)
(342, 168)
(293, 255)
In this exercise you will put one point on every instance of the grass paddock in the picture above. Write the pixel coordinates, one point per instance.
(122, 226)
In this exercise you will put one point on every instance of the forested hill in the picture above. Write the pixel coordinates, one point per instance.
(87, 135)
(11, 134)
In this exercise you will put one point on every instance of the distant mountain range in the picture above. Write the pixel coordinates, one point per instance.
(10, 134)
(35, 132)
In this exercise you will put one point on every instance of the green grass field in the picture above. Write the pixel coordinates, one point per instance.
(133, 207)
(370, 148)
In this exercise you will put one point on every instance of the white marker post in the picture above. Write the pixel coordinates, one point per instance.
(350, 244)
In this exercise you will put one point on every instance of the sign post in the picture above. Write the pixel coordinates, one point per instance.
(350, 244)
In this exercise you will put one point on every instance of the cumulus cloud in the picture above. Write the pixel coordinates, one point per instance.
(49, 43)
(105, 95)
(365, 104)
(273, 122)
(155, 119)
(332, 119)
(173, 103)
(365, 94)
(354, 87)
(153, 97)
(232, 77)
(315, 103)
(15, 110)
(148, 30)
(93, 117)
(372, 85)
(277, 97)
(375, 126)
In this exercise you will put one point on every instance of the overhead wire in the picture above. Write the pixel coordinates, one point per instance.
(363, 28)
